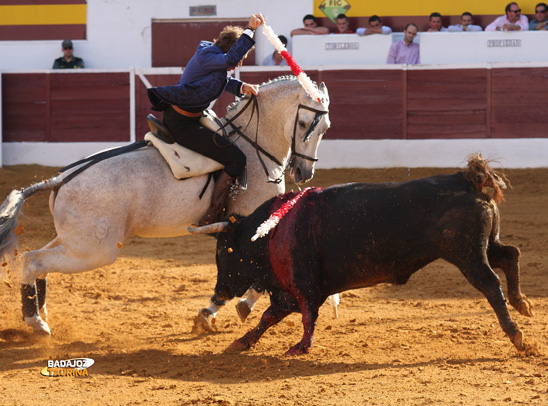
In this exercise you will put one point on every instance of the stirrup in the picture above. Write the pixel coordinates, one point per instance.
(159, 130)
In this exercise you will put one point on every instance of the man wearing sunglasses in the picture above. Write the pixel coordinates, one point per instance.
(68, 61)
(512, 21)
(540, 21)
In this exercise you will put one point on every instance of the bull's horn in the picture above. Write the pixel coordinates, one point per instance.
(210, 228)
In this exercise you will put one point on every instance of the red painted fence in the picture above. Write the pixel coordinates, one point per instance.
(365, 104)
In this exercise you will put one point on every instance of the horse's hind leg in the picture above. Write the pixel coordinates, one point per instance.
(55, 257)
(42, 285)
(506, 257)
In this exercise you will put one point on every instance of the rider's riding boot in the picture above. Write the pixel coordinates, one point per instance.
(159, 129)
(219, 200)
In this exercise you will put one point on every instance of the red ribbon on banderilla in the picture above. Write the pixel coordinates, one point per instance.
(313, 91)
(304, 80)
(275, 217)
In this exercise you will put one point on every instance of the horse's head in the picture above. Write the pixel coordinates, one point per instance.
(311, 122)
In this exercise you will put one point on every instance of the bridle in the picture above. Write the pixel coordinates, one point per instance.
(315, 121)
(260, 150)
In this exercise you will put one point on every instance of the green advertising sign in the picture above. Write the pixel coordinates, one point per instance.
(332, 8)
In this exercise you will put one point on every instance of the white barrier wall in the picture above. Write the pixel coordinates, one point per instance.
(341, 49)
(472, 47)
(435, 48)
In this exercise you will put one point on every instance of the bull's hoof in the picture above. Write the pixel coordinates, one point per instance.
(243, 310)
(204, 322)
(237, 346)
(518, 341)
(39, 326)
(298, 349)
(523, 305)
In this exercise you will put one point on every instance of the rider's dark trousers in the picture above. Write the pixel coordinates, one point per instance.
(189, 133)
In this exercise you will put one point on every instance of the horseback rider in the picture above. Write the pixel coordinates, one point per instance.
(203, 80)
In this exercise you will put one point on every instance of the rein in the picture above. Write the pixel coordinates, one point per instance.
(260, 150)
(229, 122)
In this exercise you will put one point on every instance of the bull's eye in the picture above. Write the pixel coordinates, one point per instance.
(302, 124)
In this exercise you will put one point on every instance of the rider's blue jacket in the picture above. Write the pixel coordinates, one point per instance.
(204, 78)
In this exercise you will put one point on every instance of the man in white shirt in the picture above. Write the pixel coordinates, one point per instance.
(466, 20)
(435, 23)
(512, 21)
(375, 27)
(310, 27)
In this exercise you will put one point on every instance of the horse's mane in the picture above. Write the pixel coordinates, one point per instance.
(486, 181)
(275, 81)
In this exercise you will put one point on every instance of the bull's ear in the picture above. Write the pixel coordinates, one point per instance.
(210, 228)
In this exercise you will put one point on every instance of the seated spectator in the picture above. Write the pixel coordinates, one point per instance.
(343, 26)
(68, 61)
(512, 21)
(310, 27)
(435, 24)
(405, 51)
(466, 20)
(540, 22)
(275, 59)
(375, 27)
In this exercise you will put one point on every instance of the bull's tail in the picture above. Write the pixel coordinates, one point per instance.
(488, 182)
(9, 211)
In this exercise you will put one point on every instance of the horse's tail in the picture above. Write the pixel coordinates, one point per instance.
(9, 211)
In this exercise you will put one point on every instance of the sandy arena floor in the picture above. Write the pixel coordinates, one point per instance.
(434, 341)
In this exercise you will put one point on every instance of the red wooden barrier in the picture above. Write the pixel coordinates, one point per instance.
(365, 104)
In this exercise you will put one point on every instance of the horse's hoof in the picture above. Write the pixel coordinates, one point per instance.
(44, 313)
(38, 325)
(243, 310)
(204, 322)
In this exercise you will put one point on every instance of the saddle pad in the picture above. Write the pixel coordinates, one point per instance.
(183, 162)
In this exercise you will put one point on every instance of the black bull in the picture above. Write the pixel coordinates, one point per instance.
(357, 235)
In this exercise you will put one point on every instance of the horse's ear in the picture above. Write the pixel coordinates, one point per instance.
(323, 90)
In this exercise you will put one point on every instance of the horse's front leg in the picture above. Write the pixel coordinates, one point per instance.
(246, 304)
(205, 320)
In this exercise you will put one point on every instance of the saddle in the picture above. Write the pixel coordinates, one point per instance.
(183, 162)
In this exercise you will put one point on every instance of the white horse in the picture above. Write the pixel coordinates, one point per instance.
(136, 194)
